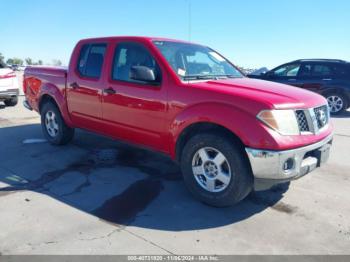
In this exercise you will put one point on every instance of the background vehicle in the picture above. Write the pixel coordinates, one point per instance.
(21, 68)
(15, 67)
(330, 78)
(229, 133)
(8, 86)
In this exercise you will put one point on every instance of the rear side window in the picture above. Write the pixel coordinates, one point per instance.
(91, 60)
(321, 70)
(316, 70)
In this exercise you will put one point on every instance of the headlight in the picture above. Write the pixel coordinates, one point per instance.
(283, 121)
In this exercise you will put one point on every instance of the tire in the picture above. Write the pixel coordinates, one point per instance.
(12, 101)
(54, 128)
(337, 102)
(217, 194)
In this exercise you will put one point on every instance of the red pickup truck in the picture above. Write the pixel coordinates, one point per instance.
(230, 134)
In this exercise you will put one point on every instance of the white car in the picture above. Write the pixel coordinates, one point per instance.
(21, 68)
(9, 89)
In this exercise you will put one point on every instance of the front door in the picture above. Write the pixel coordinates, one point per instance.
(314, 76)
(135, 110)
(285, 74)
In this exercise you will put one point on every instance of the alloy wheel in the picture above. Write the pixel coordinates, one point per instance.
(211, 169)
(51, 123)
(335, 103)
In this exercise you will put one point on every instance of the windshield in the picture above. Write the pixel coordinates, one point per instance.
(192, 62)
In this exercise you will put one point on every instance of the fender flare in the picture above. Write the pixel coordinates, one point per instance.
(58, 96)
(241, 124)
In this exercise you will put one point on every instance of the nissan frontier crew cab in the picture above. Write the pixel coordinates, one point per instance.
(229, 134)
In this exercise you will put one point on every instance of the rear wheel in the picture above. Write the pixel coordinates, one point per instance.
(13, 101)
(216, 170)
(337, 102)
(54, 128)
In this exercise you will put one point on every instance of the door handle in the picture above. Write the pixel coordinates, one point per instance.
(109, 91)
(292, 79)
(74, 85)
(327, 79)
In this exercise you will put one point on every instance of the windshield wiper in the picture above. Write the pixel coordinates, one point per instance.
(198, 77)
(227, 76)
(204, 77)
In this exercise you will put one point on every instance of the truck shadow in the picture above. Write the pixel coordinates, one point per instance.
(345, 114)
(117, 183)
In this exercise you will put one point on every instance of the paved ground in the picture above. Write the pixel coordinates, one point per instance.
(98, 196)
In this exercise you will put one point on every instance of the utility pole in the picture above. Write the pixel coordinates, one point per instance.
(189, 20)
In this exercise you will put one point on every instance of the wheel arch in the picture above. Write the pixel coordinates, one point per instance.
(339, 91)
(45, 98)
(240, 125)
(202, 127)
(51, 93)
(336, 90)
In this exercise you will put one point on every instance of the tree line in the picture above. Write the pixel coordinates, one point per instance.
(27, 61)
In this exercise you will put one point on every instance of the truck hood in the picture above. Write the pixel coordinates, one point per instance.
(270, 94)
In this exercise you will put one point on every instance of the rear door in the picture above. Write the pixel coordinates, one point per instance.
(85, 84)
(315, 76)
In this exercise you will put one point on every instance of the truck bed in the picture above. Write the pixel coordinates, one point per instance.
(37, 77)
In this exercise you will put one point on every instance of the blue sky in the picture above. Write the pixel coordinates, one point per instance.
(250, 33)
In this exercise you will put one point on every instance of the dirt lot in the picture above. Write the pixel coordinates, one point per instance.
(98, 196)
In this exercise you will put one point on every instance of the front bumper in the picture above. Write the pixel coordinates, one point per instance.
(6, 94)
(273, 167)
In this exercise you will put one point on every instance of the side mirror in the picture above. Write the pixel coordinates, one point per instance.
(142, 73)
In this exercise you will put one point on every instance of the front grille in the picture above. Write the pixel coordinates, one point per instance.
(313, 119)
(321, 114)
(302, 121)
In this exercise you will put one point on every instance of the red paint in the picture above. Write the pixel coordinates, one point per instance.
(9, 75)
(155, 116)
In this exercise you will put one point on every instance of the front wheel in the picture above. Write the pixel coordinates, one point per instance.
(54, 128)
(337, 103)
(216, 170)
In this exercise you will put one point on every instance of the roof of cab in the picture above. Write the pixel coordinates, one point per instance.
(142, 38)
(320, 60)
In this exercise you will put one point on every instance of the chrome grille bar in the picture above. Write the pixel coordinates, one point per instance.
(313, 120)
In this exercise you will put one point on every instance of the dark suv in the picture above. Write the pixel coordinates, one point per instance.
(330, 78)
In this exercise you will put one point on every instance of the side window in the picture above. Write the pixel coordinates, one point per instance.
(128, 55)
(287, 70)
(91, 60)
(341, 71)
(306, 70)
(321, 70)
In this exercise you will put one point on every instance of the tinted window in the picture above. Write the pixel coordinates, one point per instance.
(316, 70)
(287, 70)
(91, 60)
(306, 70)
(321, 70)
(128, 55)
